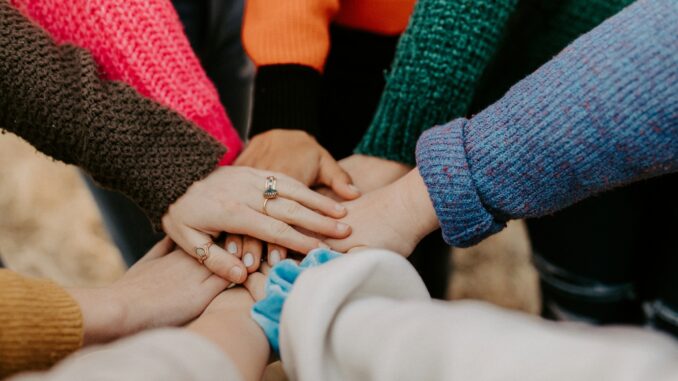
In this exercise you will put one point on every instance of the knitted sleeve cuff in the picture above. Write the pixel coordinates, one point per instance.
(39, 325)
(267, 311)
(286, 97)
(442, 162)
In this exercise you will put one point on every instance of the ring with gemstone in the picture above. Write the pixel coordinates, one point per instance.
(271, 191)
(203, 252)
(263, 208)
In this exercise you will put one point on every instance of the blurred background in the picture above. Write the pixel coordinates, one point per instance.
(50, 227)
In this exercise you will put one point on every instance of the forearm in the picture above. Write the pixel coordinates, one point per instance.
(39, 325)
(439, 61)
(163, 355)
(53, 98)
(600, 115)
(141, 43)
(240, 339)
(288, 42)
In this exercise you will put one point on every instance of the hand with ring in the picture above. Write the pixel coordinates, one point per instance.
(259, 204)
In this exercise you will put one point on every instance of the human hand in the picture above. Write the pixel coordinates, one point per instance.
(370, 173)
(227, 323)
(298, 155)
(231, 200)
(395, 217)
(162, 289)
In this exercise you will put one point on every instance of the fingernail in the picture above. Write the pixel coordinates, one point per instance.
(354, 188)
(339, 208)
(248, 259)
(342, 227)
(235, 273)
(323, 245)
(232, 248)
(274, 257)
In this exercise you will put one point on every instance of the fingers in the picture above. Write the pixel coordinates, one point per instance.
(234, 244)
(334, 176)
(252, 248)
(255, 284)
(294, 190)
(296, 214)
(163, 247)
(276, 254)
(265, 228)
(218, 260)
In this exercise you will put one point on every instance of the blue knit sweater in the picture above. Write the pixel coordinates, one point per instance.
(601, 114)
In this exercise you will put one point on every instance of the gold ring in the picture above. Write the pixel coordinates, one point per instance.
(264, 207)
(203, 252)
(271, 190)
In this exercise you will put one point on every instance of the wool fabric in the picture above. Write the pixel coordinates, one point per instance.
(142, 43)
(39, 325)
(601, 114)
(53, 97)
(454, 51)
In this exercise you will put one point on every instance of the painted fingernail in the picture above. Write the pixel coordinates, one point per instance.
(323, 245)
(248, 259)
(232, 248)
(339, 208)
(235, 273)
(354, 188)
(342, 227)
(274, 257)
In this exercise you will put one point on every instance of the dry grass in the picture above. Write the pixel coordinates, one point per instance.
(50, 227)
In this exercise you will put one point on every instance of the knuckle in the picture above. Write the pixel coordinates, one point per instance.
(293, 209)
(279, 228)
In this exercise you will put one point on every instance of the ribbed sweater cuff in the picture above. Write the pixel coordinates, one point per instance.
(442, 162)
(286, 97)
(39, 324)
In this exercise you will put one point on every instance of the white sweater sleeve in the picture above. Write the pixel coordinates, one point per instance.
(367, 316)
(158, 355)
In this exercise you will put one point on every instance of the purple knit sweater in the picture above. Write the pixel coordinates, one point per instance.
(601, 114)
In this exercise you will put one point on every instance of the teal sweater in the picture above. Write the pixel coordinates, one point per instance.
(453, 49)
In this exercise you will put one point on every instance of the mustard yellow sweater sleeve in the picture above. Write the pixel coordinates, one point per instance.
(39, 323)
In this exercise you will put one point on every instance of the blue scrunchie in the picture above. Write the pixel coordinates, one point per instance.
(266, 312)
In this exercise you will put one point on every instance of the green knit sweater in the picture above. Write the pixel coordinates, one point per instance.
(454, 50)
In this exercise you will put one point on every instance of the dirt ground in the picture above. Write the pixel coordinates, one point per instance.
(50, 227)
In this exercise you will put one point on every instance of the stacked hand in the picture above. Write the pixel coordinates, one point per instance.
(231, 200)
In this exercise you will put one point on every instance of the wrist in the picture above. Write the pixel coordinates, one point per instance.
(286, 96)
(418, 204)
(103, 314)
(232, 329)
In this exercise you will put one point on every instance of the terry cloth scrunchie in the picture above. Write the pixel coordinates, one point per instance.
(266, 312)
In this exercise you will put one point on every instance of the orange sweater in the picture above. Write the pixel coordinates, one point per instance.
(39, 323)
(297, 31)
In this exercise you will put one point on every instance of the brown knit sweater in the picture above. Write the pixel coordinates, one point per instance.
(53, 97)
(39, 323)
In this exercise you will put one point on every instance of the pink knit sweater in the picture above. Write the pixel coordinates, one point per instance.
(142, 43)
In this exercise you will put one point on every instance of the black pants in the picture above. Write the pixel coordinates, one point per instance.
(613, 259)
(213, 28)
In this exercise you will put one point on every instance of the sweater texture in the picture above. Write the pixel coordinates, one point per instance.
(141, 43)
(453, 51)
(290, 43)
(39, 324)
(601, 114)
(53, 97)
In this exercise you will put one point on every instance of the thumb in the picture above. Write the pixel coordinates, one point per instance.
(332, 175)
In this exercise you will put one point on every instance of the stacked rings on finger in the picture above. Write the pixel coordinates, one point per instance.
(203, 252)
(270, 191)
